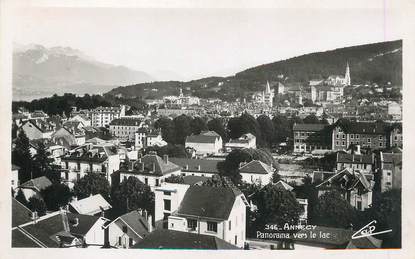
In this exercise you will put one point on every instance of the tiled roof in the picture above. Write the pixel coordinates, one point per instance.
(47, 227)
(283, 185)
(363, 127)
(354, 159)
(136, 222)
(20, 213)
(39, 183)
(207, 202)
(171, 239)
(21, 240)
(160, 166)
(90, 205)
(203, 137)
(256, 167)
(308, 127)
(348, 179)
(192, 165)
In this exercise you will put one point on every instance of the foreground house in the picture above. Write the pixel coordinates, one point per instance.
(129, 229)
(215, 211)
(171, 239)
(94, 205)
(60, 229)
(34, 187)
(355, 186)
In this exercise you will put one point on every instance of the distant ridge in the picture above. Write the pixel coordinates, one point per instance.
(370, 63)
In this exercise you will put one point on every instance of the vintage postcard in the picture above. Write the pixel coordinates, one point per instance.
(169, 128)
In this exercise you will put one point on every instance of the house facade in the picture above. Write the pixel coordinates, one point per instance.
(150, 169)
(201, 213)
(207, 142)
(102, 116)
(247, 140)
(365, 163)
(256, 172)
(310, 137)
(101, 159)
(125, 128)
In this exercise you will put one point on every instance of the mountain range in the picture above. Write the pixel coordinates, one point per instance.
(39, 71)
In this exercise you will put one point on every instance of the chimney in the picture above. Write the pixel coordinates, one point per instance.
(198, 167)
(150, 223)
(166, 158)
(186, 167)
(35, 217)
(106, 238)
(64, 220)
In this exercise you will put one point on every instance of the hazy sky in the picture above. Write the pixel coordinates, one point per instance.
(201, 42)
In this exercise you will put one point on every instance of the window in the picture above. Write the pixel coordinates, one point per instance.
(191, 224)
(230, 225)
(212, 226)
(167, 205)
(236, 239)
(351, 136)
(337, 136)
(124, 229)
(359, 205)
(343, 143)
(146, 181)
(119, 240)
(380, 137)
(369, 140)
(343, 136)
(337, 143)
(130, 242)
(380, 144)
(157, 182)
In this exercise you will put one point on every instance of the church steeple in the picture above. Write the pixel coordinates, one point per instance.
(347, 80)
(267, 88)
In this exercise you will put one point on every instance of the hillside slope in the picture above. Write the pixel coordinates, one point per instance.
(377, 62)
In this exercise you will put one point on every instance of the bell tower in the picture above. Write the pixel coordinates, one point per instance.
(347, 80)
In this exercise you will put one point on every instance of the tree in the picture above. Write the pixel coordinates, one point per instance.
(167, 129)
(22, 157)
(275, 177)
(37, 204)
(21, 198)
(57, 195)
(182, 128)
(198, 125)
(217, 126)
(311, 119)
(132, 194)
(387, 211)
(174, 179)
(92, 184)
(276, 205)
(332, 210)
(41, 161)
(267, 130)
(172, 150)
(281, 128)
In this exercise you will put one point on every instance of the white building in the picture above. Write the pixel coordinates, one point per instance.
(168, 197)
(146, 137)
(93, 205)
(129, 229)
(256, 172)
(150, 169)
(125, 128)
(102, 116)
(207, 142)
(83, 119)
(245, 141)
(101, 159)
(37, 129)
(201, 212)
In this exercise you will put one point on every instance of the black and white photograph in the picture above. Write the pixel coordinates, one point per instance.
(230, 128)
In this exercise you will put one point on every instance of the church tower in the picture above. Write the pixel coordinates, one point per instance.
(347, 80)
